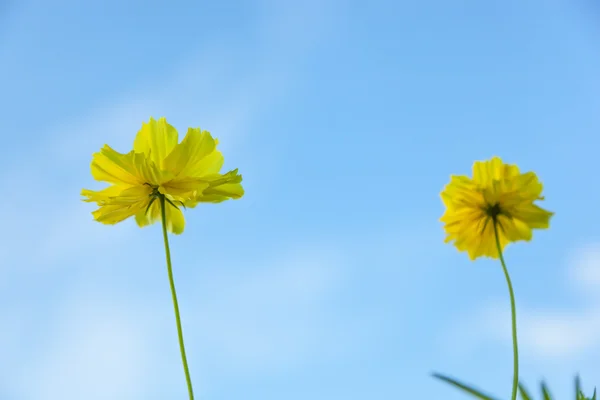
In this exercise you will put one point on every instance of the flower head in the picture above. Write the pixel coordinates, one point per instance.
(497, 194)
(158, 167)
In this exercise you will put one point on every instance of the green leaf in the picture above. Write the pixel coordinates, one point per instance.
(579, 395)
(524, 393)
(170, 202)
(462, 386)
(149, 204)
(546, 392)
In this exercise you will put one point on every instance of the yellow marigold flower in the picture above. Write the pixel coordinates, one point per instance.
(497, 193)
(184, 173)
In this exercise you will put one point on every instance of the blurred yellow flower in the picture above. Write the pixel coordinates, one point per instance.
(497, 193)
(183, 173)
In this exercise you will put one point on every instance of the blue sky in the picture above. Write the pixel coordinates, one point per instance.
(330, 278)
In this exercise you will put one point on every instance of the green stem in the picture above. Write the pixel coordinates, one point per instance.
(174, 295)
(513, 310)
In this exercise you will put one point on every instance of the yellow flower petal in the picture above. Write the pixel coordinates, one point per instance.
(135, 194)
(534, 216)
(484, 172)
(528, 186)
(514, 229)
(195, 156)
(175, 219)
(158, 168)
(156, 140)
(129, 169)
(222, 187)
(497, 192)
(112, 214)
(111, 166)
(148, 216)
(223, 192)
(184, 187)
(101, 196)
(149, 171)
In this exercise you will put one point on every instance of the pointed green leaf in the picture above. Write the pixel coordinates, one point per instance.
(546, 392)
(149, 204)
(170, 202)
(524, 393)
(463, 387)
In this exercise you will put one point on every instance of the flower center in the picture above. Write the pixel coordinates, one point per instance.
(155, 193)
(493, 211)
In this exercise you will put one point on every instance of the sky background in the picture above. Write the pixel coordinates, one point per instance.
(330, 278)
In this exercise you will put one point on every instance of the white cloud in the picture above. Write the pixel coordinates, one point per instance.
(108, 344)
(552, 334)
(585, 271)
(94, 349)
(546, 334)
(196, 93)
(270, 317)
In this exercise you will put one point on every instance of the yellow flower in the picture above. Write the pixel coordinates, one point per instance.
(184, 173)
(497, 193)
